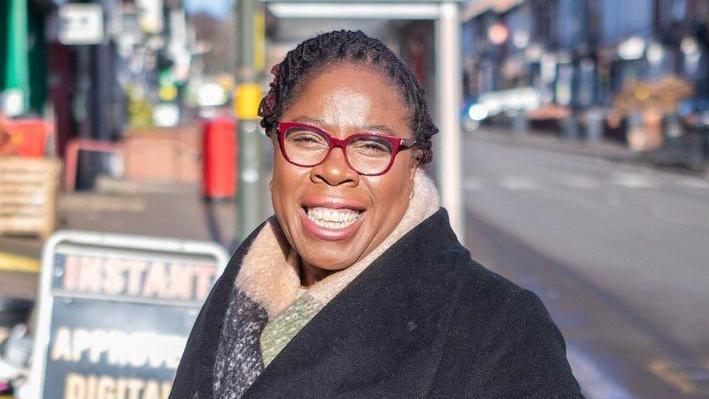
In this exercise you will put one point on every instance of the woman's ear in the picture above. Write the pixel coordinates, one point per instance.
(413, 166)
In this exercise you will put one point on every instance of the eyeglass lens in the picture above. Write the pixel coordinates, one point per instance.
(365, 154)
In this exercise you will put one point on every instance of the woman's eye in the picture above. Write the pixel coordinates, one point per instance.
(305, 138)
(372, 147)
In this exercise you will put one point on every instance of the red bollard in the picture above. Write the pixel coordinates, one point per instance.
(219, 158)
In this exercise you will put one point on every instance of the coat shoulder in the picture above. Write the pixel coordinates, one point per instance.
(502, 341)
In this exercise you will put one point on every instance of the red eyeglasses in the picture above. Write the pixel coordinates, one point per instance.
(368, 154)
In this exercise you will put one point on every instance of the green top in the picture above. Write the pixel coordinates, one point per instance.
(279, 331)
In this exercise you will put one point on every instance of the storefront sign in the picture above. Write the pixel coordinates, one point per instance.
(80, 24)
(115, 313)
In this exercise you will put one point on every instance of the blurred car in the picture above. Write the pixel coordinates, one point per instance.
(499, 104)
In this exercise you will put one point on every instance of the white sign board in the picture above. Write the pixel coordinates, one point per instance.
(115, 312)
(80, 24)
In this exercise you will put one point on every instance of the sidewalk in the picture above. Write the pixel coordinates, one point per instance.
(169, 211)
(608, 150)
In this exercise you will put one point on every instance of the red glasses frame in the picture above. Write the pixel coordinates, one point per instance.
(397, 144)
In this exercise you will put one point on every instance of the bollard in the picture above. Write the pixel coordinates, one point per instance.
(594, 126)
(219, 159)
(519, 123)
(570, 128)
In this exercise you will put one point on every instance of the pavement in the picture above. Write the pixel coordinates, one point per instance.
(156, 210)
(614, 151)
(616, 250)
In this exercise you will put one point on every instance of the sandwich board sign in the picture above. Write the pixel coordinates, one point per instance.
(115, 312)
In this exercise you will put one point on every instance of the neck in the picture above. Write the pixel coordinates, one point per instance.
(310, 274)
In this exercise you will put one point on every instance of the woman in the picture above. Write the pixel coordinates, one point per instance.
(358, 286)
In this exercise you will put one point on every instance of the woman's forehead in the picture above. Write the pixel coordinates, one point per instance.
(349, 97)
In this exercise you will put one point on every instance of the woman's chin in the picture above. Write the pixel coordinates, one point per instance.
(328, 257)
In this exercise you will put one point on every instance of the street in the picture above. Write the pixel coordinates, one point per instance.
(617, 252)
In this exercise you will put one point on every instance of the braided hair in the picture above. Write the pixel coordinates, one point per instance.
(345, 46)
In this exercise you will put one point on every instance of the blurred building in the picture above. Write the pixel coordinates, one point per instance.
(94, 68)
(22, 56)
(577, 55)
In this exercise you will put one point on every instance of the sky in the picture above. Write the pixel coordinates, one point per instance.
(217, 8)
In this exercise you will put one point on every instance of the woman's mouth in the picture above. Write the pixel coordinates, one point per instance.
(332, 218)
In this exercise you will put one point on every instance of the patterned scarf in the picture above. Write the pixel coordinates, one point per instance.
(268, 306)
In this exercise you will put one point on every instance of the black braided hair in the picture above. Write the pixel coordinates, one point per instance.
(349, 47)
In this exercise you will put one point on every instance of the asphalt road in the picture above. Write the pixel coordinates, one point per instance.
(618, 252)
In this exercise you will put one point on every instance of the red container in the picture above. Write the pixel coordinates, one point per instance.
(219, 158)
(28, 137)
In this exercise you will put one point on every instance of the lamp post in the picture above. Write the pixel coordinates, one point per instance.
(250, 199)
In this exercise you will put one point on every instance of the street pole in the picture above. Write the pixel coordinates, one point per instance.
(449, 99)
(15, 98)
(250, 198)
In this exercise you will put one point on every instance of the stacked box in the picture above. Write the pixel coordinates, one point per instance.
(28, 196)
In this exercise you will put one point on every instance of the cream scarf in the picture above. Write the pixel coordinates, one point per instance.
(269, 273)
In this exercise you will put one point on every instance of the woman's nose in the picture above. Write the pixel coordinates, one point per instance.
(335, 170)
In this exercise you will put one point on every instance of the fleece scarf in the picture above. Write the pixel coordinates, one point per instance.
(268, 306)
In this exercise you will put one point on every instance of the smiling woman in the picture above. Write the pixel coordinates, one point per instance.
(357, 287)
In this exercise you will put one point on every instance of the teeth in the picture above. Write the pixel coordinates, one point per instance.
(332, 218)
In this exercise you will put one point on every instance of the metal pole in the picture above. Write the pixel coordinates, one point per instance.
(16, 71)
(250, 196)
(448, 77)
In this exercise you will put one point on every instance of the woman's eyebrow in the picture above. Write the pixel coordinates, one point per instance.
(368, 128)
(380, 128)
(308, 119)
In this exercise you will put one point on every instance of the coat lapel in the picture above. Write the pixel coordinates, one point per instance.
(195, 375)
(382, 332)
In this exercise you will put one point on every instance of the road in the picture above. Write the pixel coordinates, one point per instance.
(618, 252)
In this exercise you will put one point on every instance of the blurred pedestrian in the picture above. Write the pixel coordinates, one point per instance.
(358, 287)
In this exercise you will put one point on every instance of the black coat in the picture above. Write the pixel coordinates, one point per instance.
(423, 320)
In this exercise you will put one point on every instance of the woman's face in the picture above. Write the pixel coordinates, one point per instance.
(343, 100)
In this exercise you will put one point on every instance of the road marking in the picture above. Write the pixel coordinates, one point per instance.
(517, 183)
(580, 181)
(690, 379)
(595, 383)
(17, 263)
(694, 182)
(634, 180)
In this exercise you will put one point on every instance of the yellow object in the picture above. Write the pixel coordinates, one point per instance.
(17, 263)
(168, 93)
(260, 40)
(246, 101)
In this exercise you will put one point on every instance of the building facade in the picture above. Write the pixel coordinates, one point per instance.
(579, 54)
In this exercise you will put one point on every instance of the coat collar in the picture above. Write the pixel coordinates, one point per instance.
(399, 301)
(393, 299)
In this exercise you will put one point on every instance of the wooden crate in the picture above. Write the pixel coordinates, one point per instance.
(28, 196)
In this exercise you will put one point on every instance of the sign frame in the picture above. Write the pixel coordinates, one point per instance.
(119, 242)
